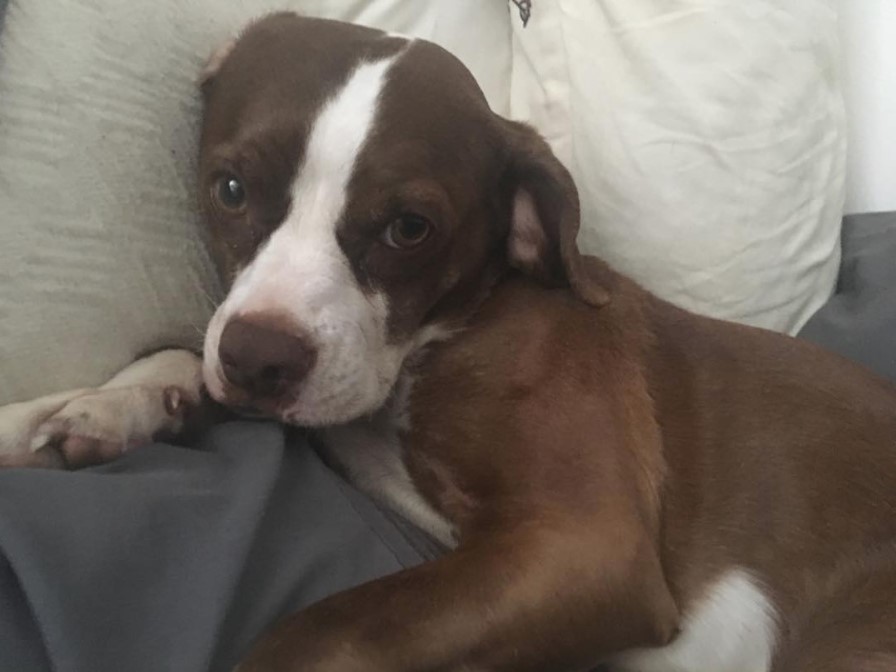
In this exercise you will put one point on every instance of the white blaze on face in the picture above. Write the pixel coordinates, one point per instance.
(302, 274)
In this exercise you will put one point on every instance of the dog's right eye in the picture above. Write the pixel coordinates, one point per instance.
(229, 193)
(406, 232)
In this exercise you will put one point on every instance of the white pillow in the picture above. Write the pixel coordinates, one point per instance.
(707, 140)
(100, 254)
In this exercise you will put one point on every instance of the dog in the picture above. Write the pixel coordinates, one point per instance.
(620, 482)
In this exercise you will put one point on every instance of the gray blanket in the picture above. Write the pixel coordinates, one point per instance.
(859, 321)
(174, 560)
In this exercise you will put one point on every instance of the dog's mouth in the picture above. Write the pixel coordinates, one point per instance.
(263, 408)
(247, 405)
(250, 412)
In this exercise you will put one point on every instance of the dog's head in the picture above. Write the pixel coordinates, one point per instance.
(361, 199)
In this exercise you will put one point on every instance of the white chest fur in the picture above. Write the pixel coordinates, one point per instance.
(370, 453)
(732, 629)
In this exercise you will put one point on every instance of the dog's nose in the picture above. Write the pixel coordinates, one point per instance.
(263, 359)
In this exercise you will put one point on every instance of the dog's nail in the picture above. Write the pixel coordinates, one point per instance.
(174, 399)
(47, 434)
(40, 441)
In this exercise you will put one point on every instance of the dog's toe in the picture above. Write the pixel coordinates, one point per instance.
(76, 440)
(87, 431)
(81, 451)
(49, 433)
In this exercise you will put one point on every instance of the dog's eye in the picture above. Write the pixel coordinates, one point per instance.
(406, 232)
(229, 192)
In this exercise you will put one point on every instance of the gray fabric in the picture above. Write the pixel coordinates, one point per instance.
(175, 559)
(859, 321)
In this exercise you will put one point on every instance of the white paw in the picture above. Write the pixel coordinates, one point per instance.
(99, 426)
(150, 398)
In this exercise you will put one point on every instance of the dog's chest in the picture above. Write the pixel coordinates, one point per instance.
(731, 629)
(370, 454)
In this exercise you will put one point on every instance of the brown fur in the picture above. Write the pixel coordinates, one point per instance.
(604, 467)
(768, 453)
(849, 623)
(603, 455)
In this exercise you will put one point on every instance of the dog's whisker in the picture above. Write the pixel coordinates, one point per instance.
(212, 301)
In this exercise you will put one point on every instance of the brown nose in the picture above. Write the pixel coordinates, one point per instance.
(263, 359)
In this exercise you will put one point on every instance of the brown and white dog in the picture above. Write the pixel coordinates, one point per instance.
(621, 482)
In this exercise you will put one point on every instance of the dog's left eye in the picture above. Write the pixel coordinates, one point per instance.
(406, 232)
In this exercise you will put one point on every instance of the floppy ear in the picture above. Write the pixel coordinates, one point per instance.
(545, 219)
(213, 64)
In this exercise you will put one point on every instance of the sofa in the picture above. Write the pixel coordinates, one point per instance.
(176, 558)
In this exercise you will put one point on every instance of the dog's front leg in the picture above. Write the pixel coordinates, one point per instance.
(159, 395)
(536, 601)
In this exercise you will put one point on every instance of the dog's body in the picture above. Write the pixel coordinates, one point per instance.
(621, 481)
(609, 505)
(622, 431)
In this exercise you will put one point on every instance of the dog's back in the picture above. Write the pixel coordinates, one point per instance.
(850, 624)
(747, 451)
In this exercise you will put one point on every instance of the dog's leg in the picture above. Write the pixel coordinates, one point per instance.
(524, 600)
(154, 396)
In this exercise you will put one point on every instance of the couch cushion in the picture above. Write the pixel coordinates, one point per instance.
(860, 319)
(100, 253)
(707, 140)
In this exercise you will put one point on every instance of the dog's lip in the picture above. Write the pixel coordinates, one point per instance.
(244, 404)
(269, 409)
(248, 411)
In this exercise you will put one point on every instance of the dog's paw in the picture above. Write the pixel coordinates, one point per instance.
(152, 398)
(102, 425)
(19, 421)
(158, 396)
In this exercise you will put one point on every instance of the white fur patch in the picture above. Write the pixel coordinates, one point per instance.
(370, 453)
(732, 629)
(302, 274)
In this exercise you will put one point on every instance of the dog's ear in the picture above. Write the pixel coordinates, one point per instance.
(545, 218)
(213, 65)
